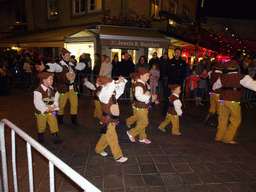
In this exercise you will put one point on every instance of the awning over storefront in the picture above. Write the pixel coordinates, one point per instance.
(132, 37)
(45, 38)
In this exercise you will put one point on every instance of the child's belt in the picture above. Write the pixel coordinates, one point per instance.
(109, 116)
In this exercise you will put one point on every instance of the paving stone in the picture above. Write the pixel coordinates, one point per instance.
(130, 169)
(133, 181)
(148, 168)
(190, 178)
(237, 187)
(165, 168)
(153, 180)
(113, 182)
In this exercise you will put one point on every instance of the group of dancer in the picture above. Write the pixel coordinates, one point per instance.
(225, 95)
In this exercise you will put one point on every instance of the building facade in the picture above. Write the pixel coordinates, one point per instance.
(92, 26)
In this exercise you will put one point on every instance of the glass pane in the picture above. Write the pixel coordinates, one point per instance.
(77, 6)
(82, 5)
(99, 4)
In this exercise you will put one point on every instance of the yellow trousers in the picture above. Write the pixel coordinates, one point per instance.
(72, 97)
(142, 123)
(133, 118)
(229, 112)
(50, 119)
(97, 111)
(214, 103)
(175, 122)
(110, 138)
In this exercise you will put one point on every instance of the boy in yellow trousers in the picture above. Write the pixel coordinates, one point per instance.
(230, 85)
(96, 88)
(174, 111)
(110, 92)
(46, 103)
(142, 100)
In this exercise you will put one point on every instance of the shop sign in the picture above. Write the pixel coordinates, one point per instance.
(131, 43)
(138, 21)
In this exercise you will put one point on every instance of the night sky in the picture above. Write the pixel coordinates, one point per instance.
(243, 9)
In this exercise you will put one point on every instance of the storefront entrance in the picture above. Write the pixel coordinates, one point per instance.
(120, 53)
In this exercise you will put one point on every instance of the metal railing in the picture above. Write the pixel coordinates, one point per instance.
(53, 161)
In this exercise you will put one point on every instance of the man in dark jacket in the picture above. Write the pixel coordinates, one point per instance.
(154, 60)
(125, 68)
(176, 72)
(177, 69)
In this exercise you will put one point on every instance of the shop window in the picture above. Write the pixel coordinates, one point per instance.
(159, 52)
(78, 49)
(173, 7)
(94, 5)
(52, 8)
(155, 8)
(78, 6)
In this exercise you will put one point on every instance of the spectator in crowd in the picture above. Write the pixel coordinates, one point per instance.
(142, 63)
(163, 63)
(154, 60)
(192, 83)
(201, 87)
(252, 69)
(85, 72)
(125, 68)
(153, 80)
(115, 63)
(28, 72)
(97, 64)
(57, 59)
(203, 64)
(106, 67)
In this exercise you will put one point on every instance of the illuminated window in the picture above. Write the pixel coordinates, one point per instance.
(94, 5)
(78, 6)
(173, 7)
(155, 8)
(52, 8)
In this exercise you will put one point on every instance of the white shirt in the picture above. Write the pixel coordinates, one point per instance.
(140, 96)
(38, 100)
(55, 67)
(177, 105)
(90, 85)
(108, 90)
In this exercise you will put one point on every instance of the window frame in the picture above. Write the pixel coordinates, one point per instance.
(96, 10)
(176, 6)
(49, 10)
(154, 2)
(80, 4)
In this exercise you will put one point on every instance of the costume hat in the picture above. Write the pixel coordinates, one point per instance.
(64, 51)
(105, 80)
(219, 65)
(173, 86)
(231, 64)
(44, 75)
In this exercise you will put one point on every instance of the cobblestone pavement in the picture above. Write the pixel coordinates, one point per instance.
(192, 161)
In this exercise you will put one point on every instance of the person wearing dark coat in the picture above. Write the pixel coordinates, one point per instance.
(125, 68)
(154, 60)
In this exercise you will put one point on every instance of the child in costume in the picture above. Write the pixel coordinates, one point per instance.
(96, 88)
(174, 111)
(133, 118)
(46, 101)
(142, 100)
(110, 92)
(214, 94)
(230, 85)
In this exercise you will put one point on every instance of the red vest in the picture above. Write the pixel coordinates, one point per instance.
(45, 96)
(231, 89)
(63, 84)
(137, 103)
(171, 109)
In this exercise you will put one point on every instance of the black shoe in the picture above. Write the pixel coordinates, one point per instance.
(56, 139)
(207, 118)
(60, 119)
(73, 120)
(41, 138)
(216, 122)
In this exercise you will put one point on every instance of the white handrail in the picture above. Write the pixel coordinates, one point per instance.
(53, 160)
